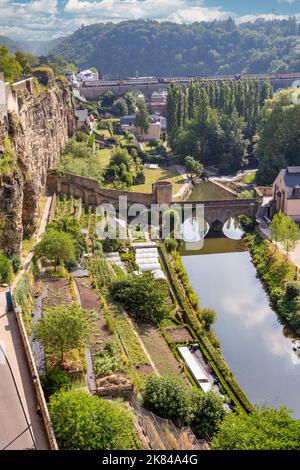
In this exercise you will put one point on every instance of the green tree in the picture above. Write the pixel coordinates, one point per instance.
(277, 227)
(263, 429)
(5, 269)
(277, 140)
(167, 397)
(63, 328)
(192, 167)
(142, 121)
(119, 107)
(142, 297)
(85, 422)
(209, 316)
(24, 60)
(291, 235)
(9, 65)
(56, 246)
(208, 413)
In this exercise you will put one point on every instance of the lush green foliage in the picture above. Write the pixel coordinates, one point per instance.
(56, 246)
(68, 224)
(5, 269)
(8, 161)
(209, 316)
(276, 273)
(79, 158)
(212, 121)
(208, 413)
(123, 169)
(54, 380)
(142, 297)
(9, 65)
(142, 121)
(168, 397)
(84, 422)
(107, 360)
(63, 328)
(193, 167)
(278, 135)
(263, 429)
(218, 47)
(285, 231)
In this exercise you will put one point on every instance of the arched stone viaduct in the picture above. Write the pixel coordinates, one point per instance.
(92, 92)
(88, 190)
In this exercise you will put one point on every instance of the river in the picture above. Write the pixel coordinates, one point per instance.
(258, 348)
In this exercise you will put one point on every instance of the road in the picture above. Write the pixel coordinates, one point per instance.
(20, 425)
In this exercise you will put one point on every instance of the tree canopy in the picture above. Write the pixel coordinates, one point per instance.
(199, 48)
(63, 328)
(277, 140)
(56, 246)
(263, 429)
(142, 297)
(85, 422)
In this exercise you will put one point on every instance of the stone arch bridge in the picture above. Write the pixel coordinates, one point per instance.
(216, 213)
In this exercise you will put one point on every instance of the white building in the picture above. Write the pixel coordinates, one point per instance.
(87, 75)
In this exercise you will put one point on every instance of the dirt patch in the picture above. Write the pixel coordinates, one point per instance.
(88, 296)
(58, 292)
(179, 335)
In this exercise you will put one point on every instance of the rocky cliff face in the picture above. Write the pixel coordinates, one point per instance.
(38, 133)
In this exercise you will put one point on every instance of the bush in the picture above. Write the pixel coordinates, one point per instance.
(54, 380)
(142, 297)
(85, 422)
(108, 360)
(169, 398)
(292, 290)
(16, 263)
(5, 269)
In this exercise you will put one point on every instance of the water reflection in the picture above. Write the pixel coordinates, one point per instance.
(261, 351)
(232, 229)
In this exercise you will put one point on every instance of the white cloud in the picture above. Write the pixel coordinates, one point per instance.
(56, 17)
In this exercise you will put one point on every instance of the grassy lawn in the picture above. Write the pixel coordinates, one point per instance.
(159, 174)
(159, 351)
(104, 157)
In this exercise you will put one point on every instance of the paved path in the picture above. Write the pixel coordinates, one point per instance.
(20, 425)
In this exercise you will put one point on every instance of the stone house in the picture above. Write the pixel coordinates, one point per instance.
(286, 193)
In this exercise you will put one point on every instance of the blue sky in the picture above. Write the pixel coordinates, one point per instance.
(48, 19)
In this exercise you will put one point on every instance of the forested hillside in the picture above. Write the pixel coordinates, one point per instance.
(154, 48)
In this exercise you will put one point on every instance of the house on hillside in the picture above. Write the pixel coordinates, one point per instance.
(155, 127)
(286, 193)
(158, 102)
(87, 75)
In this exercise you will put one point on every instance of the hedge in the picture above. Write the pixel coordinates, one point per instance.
(215, 359)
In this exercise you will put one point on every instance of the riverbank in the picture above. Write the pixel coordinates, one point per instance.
(279, 277)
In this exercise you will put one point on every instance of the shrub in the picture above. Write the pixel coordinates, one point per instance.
(142, 297)
(54, 380)
(5, 269)
(85, 422)
(16, 263)
(292, 290)
(169, 398)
